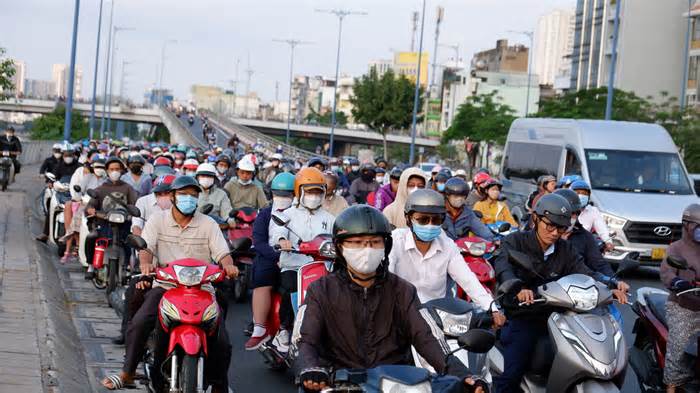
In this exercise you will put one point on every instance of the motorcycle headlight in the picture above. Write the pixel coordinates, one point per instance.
(327, 250)
(189, 276)
(454, 325)
(389, 386)
(476, 249)
(117, 218)
(585, 299)
(613, 221)
(168, 312)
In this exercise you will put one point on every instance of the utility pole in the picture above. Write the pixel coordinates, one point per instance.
(103, 123)
(417, 91)
(686, 59)
(121, 82)
(71, 74)
(277, 91)
(94, 80)
(438, 21)
(293, 43)
(530, 55)
(235, 86)
(613, 63)
(117, 29)
(341, 14)
(249, 71)
(414, 27)
(162, 67)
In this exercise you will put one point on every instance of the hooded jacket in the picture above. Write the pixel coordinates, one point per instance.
(384, 197)
(395, 211)
(689, 250)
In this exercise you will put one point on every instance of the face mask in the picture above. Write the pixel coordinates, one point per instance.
(379, 179)
(222, 169)
(57, 155)
(426, 233)
(364, 260)
(190, 173)
(115, 175)
(68, 160)
(355, 168)
(100, 172)
(696, 234)
(244, 182)
(136, 169)
(584, 199)
(281, 203)
(441, 187)
(164, 202)
(412, 190)
(312, 202)
(456, 201)
(178, 162)
(206, 181)
(82, 159)
(186, 204)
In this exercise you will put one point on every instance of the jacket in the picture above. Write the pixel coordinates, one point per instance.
(395, 211)
(124, 191)
(11, 144)
(585, 246)
(563, 261)
(217, 197)
(264, 253)
(344, 325)
(48, 165)
(303, 223)
(384, 197)
(142, 187)
(360, 189)
(592, 220)
(473, 198)
(242, 196)
(62, 169)
(494, 211)
(335, 204)
(467, 221)
(689, 250)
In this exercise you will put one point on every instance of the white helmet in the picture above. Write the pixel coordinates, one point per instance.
(246, 164)
(57, 146)
(276, 156)
(206, 169)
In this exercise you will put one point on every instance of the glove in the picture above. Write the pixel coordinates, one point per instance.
(679, 285)
(315, 375)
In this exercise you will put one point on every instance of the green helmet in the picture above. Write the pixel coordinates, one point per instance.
(283, 184)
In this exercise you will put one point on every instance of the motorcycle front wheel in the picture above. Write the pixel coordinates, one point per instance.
(100, 278)
(188, 375)
(113, 274)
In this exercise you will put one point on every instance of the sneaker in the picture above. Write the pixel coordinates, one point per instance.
(42, 238)
(281, 341)
(254, 343)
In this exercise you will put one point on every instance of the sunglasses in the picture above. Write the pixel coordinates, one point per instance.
(550, 226)
(427, 220)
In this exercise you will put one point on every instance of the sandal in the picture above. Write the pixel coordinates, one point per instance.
(66, 258)
(116, 382)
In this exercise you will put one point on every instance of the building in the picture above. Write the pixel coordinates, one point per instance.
(154, 95)
(381, 65)
(554, 38)
(650, 50)
(34, 88)
(18, 79)
(223, 101)
(692, 91)
(59, 76)
(406, 63)
(502, 58)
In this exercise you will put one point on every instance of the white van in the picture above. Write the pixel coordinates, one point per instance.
(638, 179)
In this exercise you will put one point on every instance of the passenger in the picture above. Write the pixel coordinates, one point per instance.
(411, 180)
(492, 208)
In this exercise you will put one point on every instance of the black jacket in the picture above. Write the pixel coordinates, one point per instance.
(585, 246)
(48, 165)
(11, 144)
(62, 169)
(347, 326)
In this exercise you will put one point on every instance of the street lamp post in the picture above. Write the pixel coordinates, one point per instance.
(292, 44)
(613, 63)
(121, 82)
(341, 14)
(417, 90)
(162, 67)
(94, 80)
(71, 74)
(103, 123)
(117, 29)
(529, 35)
(686, 59)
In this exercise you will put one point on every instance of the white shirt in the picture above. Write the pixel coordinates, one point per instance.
(148, 205)
(592, 221)
(429, 272)
(307, 225)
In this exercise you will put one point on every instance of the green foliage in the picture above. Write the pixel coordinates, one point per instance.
(50, 126)
(590, 104)
(7, 71)
(160, 134)
(684, 127)
(341, 120)
(481, 118)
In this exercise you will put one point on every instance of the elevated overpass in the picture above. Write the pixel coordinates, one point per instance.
(137, 115)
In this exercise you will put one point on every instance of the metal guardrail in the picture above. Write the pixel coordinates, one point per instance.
(178, 132)
(35, 151)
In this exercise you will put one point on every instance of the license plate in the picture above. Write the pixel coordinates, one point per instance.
(658, 253)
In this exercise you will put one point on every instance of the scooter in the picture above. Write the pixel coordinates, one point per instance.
(59, 196)
(244, 259)
(188, 314)
(589, 350)
(648, 354)
(398, 378)
(476, 252)
(7, 169)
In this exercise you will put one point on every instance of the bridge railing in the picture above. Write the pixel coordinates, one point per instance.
(178, 132)
(35, 151)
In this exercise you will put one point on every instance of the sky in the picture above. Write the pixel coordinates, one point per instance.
(213, 35)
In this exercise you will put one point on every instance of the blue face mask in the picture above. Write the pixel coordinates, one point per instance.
(426, 233)
(441, 187)
(584, 200)
(696, 234)
(186, 204)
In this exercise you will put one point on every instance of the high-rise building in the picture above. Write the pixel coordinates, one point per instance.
(502, 58)
(406, 63)
(59, 76)
(34, 88)
(381, 65)
(553, 44)
(19, 77)
(692, 91)
(650, 49)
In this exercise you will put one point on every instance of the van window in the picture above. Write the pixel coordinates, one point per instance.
(528, 161)
(573, 164)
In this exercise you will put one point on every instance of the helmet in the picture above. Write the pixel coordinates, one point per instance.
(567, 180)
(367, 167)
(480, 178)
(283, 184)
(555, 207)
(66, 148)
(162, 183)
(544, 179)
(358, 220)
(395, 173)
(114, 159)
(308, 177)
(461, 173)
(246, 164)
(441, 177)
(162, 160)
(436, 169)
(456, 186)
(692, 213)
(191, 154)
(425, 201)
(490, 183)
(190, 164)
(570, 196)
(379, 170)
(183, 182)
(136, 158)
(276, 156)
(580, 185)
(206, 169)
(354, 161)
(56, 146)
(317, 161)
(223, 158)
(98, 163)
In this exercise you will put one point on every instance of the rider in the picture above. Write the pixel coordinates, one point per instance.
(333, 203)
(269, 173)
(477, 193)
(553, 258)
(493, 208)
(591, 218)
(363, 185)
(318, 163)
(546, 184)
(242, 191)
(460, 219)
(223, 170)
(189, 167)
(387, 193)
(266, 272)
(9, 142)
(340, 325)
(411, 180)
(354, 170)
(206, 175)
(141, 182)
(65, 168)
(180, 232)
(439, 182)
(50, 162)
(683, 312)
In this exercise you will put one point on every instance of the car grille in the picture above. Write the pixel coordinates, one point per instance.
(644, 232)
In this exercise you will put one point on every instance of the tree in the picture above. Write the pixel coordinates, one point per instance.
(326, 119)
(384, 103)
(7, 71)
(590, 104)
(50, 126)
(684, 127)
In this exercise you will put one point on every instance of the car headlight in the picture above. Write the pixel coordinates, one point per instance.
(585, 299)
(189, 276)
(168, 312)
(613, 221)
(476, 249)
(454, 325)
(389, 386)
(327, 249)
(117, 218)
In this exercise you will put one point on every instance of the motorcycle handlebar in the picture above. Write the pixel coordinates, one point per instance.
(540, 300)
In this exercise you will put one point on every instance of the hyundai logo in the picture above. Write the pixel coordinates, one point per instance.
(662, 231)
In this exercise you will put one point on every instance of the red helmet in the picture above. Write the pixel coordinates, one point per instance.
(480, 178)
(491, 182)
(162, 183)
(162, 160)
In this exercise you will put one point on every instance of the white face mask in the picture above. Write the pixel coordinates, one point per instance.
(244, 182)
(280, 203)
(57, 155)
(364, 260)
(456, 201)
(312, 202)
(379, 179)
(355, 168)
(222, 169)
(100, 172)
(411, 190)
(68, 160)
(115, 175)
(206, 181)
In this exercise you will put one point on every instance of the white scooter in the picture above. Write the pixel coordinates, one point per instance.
(57, 229)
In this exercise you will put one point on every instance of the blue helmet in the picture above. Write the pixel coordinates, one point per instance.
(283, 184)
(567, 180)
(580, 185)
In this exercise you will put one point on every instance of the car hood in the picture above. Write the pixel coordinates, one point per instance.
(645, 207)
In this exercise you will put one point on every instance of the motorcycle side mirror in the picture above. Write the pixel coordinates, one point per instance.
(136, 242)
(513, 285)
(677, 262)
(232, 213)
(479, 214)
(626, 265)
(50, 176)
(505, 227)
(477, 340)
(133, 211)
(92, 193)
(206, 209)
(77, 188)
(281, 219)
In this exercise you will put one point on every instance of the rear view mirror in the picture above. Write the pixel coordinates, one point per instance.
(77, 188)
(133, 211)
(281, 219)
(505, 227)
(477, 340)
(206, 209)
(92, 193)
(136, 242)
(677, 262)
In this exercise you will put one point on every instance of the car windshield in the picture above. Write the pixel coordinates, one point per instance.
(637, 171)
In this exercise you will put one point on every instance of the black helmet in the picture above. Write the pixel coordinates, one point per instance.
(692, 213)
(136, 158)
(317, 161)
(441, 177)
(358, 220)
(223, 158)
(425, 201)
(456, 186)
(571, 197)
(183, 182)
(556, 208)
(396, 173)
(114, 159)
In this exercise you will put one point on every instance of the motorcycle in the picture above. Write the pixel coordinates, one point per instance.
(243, 228)
(501, 229)
(400, 378)
(7, 169)
(588, 353)
(476, 253)
(648, 354)
(188, 314)
(59, 195)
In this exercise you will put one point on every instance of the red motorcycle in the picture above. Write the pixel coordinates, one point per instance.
(476, 252)
(243, 259)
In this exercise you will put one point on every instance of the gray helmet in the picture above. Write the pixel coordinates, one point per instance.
(571, 197)
(456, 186)
(556, 208)
(692, 213)
(425, 201)
(544, 179)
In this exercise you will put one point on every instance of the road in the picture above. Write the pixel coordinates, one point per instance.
(196, 129)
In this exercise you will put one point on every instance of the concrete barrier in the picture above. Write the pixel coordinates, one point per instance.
(34, 152)
(178, 132)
